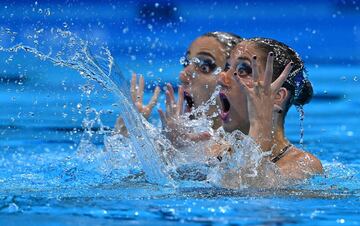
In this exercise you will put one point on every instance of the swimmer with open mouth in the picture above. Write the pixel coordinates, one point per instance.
(262, 80)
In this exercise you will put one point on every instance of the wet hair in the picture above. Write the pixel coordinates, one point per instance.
(227, 39)
(297, 82)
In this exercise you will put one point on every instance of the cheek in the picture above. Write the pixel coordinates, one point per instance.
(207, 81)
(238, 100)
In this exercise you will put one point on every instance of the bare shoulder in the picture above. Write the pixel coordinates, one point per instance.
(299, 164)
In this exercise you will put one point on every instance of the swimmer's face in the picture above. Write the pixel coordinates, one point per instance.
(233, 105)
(207, 57)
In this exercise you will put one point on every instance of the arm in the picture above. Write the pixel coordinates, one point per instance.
(297, 164)
(261, 95)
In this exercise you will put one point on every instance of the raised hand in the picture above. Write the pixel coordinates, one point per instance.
(172, 125)
(137, 94)
(261, 95)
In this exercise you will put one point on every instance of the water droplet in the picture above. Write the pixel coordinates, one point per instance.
(125, 30)
(47, 12)
(182, 60)
(217, 71)
(195, 60)
(356, 78)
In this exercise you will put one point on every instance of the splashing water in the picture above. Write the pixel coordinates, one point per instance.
(300, 110)
(102, 69)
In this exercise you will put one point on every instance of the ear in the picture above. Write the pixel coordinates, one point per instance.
(280, 99)
(281, 96)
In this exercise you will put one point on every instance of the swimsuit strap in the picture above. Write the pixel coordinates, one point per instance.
(281, 154)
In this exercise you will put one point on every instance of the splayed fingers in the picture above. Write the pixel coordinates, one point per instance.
(261, 83)
(174, 108)
(275, 86)
(172, 126)
(137, 95)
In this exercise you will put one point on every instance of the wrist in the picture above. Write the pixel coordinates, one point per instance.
(262, 135)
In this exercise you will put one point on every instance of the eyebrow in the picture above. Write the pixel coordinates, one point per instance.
(243, 58)
(206, 54)
(238, 59)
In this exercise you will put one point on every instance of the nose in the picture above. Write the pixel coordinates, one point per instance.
(223, 79)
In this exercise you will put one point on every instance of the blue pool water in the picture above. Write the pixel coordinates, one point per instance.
(53, 121)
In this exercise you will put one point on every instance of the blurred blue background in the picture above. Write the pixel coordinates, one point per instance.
(323, 32)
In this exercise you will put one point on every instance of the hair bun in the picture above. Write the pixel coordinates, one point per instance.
(305, 93)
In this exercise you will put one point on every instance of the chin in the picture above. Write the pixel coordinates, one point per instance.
(230, 127)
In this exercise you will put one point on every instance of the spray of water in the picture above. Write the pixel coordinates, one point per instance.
(102, 69)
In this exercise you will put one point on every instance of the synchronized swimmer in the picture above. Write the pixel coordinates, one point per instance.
(260, 80)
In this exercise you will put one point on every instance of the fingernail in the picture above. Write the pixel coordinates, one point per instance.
(254, 57)
(271, 54)
(292, 64)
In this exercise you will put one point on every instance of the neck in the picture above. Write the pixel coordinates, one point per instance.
(279, 139)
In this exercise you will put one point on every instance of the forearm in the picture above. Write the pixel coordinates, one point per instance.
(261, 132)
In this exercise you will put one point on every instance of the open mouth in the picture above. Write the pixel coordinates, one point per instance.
(225, 107)
(189, 102)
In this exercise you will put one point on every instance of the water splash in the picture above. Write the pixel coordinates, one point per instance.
(102, 68)
(300, 110)
(243, 164)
